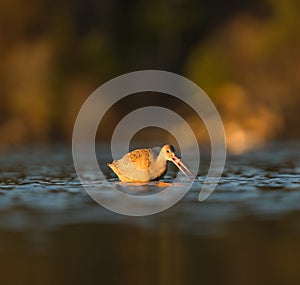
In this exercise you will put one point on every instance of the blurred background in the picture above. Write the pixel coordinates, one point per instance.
(244, 54)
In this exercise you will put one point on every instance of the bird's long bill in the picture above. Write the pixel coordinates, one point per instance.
(184, 169)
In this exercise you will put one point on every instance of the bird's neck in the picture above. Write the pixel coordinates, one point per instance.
(161, 161)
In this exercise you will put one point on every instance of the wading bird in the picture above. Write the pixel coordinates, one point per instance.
(143, 165)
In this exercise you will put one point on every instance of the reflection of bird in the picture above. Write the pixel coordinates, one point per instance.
(143, 165)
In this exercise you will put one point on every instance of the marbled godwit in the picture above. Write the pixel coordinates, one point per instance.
(143, 165)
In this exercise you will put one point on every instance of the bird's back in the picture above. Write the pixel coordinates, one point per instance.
(136, 165)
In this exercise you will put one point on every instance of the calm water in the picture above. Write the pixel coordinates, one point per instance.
(247, 232)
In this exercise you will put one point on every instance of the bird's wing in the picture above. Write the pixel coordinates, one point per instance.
(134, 166)
(140, 158)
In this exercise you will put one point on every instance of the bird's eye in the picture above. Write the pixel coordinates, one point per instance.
(168, 151)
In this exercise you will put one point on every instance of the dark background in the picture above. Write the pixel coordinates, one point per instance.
(244, 54)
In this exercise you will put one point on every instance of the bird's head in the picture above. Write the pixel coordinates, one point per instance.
(168, 152)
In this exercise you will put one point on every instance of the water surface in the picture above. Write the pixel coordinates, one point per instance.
(246, 232)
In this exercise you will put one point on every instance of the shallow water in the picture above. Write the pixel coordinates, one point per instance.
(246, 232)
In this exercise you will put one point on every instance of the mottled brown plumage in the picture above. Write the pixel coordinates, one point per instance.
(141, 158)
